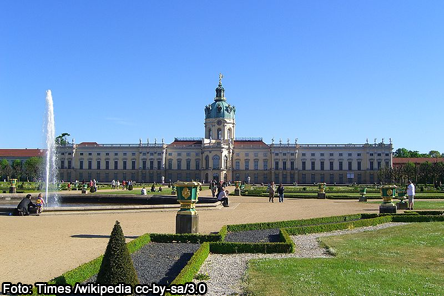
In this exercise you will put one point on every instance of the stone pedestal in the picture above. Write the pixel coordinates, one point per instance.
(387, 209)
(363, 198)
(322, 195)
(237, 192)
(188, 223)
(402, 205)
(12, 188)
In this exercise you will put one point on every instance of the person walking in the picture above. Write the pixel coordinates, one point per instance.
(280, 192)
(411, 194)
(271, 192)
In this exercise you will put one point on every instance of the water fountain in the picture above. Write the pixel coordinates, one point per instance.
(50, 174)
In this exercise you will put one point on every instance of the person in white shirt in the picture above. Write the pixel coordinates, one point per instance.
(223, 197)
(143, 191)
(411, 194)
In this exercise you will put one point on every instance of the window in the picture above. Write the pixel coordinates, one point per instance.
(237, 165)
(98, 164)
(159, 164)
(188, 164)
(340, 154)
(371, 154)
(379, 154)
(313, 154)
(188, 154)
(116, 153)
(256, 154)
(331, 165)
(303, 166)
(247, 164)
(116, 165)
(265, 164)
(179, 164)
(124, 153)
(313, 165)
(276, 165)
(207, 162)
(107, 153)
(69, 164)
(170, 164)
(265, 154)
(98, 153)
(89, 164)
(284, 154)
(386, 164)
(371, 165)
(133, 154)
(322, 167)
(322, 154)
(303, 154)
(151, 164)
(90, 154)
(292, 165)
(133, 164)
(216, 162)
(332, 154)
(349, 154)
(359, 166)
(62, 164)
(359, 154)
(284, 165)
(379, 164)
(81, 153)
(247, 154)
(144, 164)
(197, 164)
(179, 154)
(256, 164)
(340, 166)
(124, 164)
(350, 166)
(63, 153)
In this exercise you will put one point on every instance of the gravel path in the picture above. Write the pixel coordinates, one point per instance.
(254, 236)
(226, 271)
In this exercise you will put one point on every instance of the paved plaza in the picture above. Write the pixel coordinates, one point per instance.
(39, 248)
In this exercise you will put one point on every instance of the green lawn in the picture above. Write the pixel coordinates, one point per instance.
(406, 260)
(425, 204)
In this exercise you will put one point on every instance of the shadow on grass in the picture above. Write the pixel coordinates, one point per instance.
(97, 236)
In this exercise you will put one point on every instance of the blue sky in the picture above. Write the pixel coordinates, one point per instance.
(321, 71)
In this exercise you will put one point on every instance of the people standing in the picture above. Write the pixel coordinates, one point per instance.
(411, 194)
(271, 192)
(280, 192)
(39, 204)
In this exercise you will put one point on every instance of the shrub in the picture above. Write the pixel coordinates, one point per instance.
(117, 266)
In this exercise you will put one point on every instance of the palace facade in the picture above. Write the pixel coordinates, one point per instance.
(220, 155)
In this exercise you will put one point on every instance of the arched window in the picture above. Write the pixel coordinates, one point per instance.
(216, 162)
(219, 134)
(209, 134)
(207, 162)
(229, 133)
(226, 162)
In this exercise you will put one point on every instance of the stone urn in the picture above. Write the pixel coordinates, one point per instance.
(12, 187)
(321, 192)
(187, 219)
(363, 192)
(388, 192)
(237, 190)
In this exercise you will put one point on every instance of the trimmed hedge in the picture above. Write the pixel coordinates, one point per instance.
(235, 248)
(285, 237)
(417, 218)
(291, 223)
(190, 270)
(425, 212)
(184, 238)
(223, 232)
(338, 226)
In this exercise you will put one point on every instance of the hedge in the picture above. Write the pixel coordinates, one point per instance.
(338, 226)
(285, 237)
(291, 223)
(417, 218)
(190, 270)
(184, 238)
(235, 248)
(425, 212)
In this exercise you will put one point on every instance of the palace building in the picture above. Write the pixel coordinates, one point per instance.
(220, 155)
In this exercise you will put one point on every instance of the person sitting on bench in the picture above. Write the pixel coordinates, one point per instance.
(223, 197)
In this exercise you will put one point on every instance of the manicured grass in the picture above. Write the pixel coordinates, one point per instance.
(406, 260)
(425, 204)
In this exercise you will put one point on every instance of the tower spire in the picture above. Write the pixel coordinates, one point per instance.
(220, 91)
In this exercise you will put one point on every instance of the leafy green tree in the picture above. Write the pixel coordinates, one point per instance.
(434, 153)
(409, 172)
(32, 166)
(17, 169)
(426, 172)
(61, 140)
(117, 265)
(6, 169)
(402, 152)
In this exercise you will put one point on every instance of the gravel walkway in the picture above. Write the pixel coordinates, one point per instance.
(226, 271)
(254, 236)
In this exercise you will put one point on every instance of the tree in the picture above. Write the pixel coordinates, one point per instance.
(117, 266)
(434, 153)
(61, 140)
(402, 152)
(17, 169)
(32, 166)
(6, 169)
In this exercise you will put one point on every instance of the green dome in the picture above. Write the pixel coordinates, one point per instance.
(220, 108)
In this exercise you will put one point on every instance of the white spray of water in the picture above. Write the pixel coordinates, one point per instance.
(51, 157)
